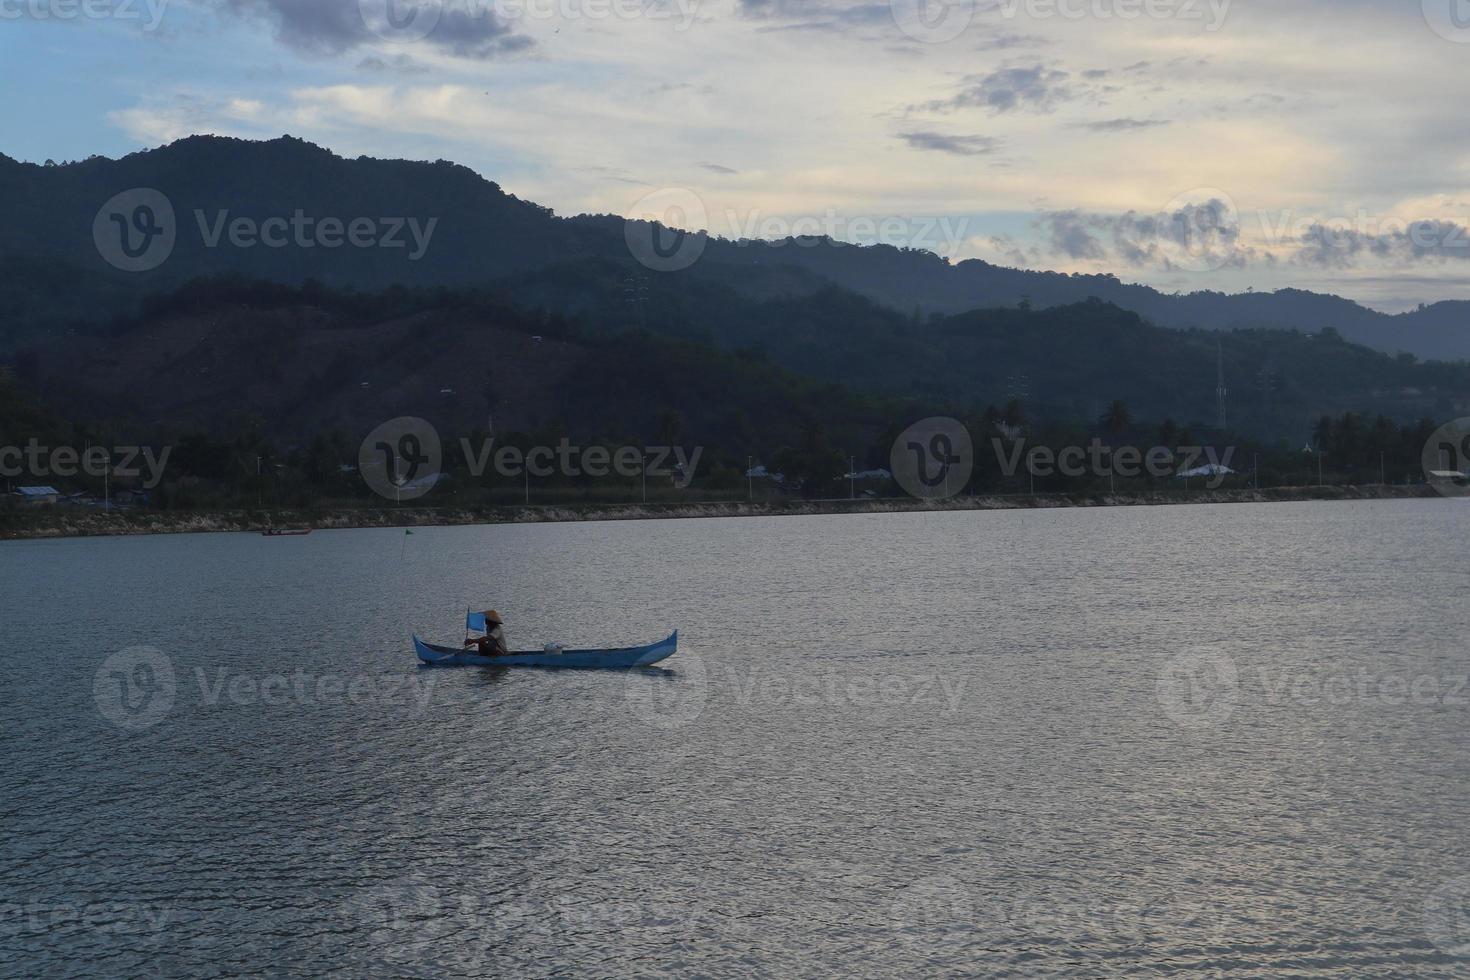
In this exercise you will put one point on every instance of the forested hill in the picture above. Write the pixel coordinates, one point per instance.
(222, 354)
(53, 279)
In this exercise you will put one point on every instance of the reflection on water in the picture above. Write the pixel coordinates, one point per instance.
(1162, 740)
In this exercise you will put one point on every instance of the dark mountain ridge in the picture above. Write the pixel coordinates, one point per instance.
(481, 233)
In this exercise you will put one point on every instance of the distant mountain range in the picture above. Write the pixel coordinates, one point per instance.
(53, 278)
(277, 287)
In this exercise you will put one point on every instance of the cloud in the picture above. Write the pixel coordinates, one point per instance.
(1006, 40)
(663, 88)
(968, 146)
(165, 119)
(332, 27)
(817, 15)
(1326, 246)
(325, 27)
(1122, 125)
(1034, 89)
(716, 168)
(1014, 252)
(1197, 234)
(477, 34)
(1069, 234)
(401, 64)
(612, 173)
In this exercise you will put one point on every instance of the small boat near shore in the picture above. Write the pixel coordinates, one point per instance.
(285, 532)
(623, 658)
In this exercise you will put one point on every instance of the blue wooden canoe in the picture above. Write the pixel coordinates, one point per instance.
(437, 656)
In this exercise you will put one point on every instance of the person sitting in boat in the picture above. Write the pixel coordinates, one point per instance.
(492, 644)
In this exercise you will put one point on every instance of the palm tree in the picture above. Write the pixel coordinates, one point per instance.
(1350, 435)
(1322, 433)
(670, 425)
(1117, 418)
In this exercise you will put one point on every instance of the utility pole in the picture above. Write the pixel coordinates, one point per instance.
(749, 479)
(1266, 382)
(1220, 391)
(852, 478)
(635, 294)
(1382, 480)
(644, 468)
(1256, 470)
(1319, 469)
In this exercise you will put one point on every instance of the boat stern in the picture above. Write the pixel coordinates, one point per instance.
(658, 651)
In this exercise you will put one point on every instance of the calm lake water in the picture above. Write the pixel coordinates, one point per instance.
(1182, 740)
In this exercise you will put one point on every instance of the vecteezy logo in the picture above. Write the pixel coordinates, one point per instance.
(134, 688)
(1446, 459)
(1447, 917)
(401, 459)
(933, 459)
(668, 699)
(135, 230)
(935, 915)
(399, 918)
(1450, 19)
(932, 21)
(1197, 688)
(401, 21)
(664, 230)
(1201, 230)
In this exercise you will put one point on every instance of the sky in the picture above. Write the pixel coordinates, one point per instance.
(1187, 144)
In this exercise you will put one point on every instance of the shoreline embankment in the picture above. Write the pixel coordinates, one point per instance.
(61, 522)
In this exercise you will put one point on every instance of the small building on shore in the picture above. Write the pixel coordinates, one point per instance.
(38, 496)
(1448, 478)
